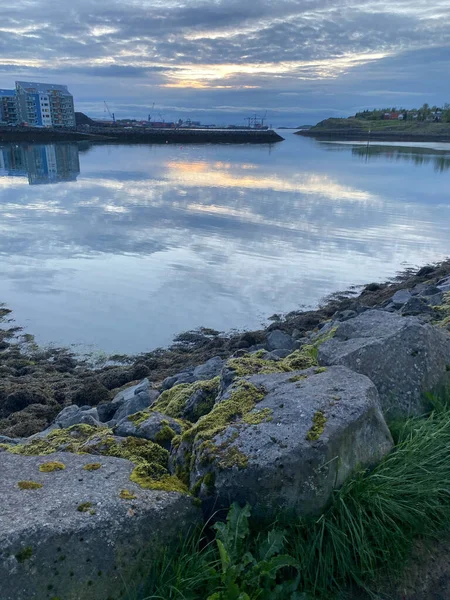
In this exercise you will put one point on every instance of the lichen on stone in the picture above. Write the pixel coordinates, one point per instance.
(297, 378)
(127, 495)
(255, 417)
(444, 310)
(173, 402)
(242, 400)
(232, 457)
(252, 364)
(53, 465)
(149, 458)
(24, 554)
(147, 478)
(92, 466)
(84, 507)
(68, 440)
(29, 485)
(318, 426)
(165, 434)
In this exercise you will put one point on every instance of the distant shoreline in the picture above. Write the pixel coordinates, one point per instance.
(139, 136)
(358, 136)
(381, 130)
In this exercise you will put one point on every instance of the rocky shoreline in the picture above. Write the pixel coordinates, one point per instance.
(36, 383)
(95, 460)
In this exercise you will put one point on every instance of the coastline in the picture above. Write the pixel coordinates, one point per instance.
(36, 383)
(112, 135)
(363, 136)
(267, 406)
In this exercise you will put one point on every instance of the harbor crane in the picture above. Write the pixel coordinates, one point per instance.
(112, 115)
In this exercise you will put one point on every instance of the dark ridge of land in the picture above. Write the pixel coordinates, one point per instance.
(36, 383)
(125, 135)
(363, 130)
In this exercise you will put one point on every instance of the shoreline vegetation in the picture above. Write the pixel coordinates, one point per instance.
(383, 534)
(382, 130)
(129, 135)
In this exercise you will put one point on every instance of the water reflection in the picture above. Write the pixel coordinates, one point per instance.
(151, 241)
(42, 164)
(439, 159)
(420, 156)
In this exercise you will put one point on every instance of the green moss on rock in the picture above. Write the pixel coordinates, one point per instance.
(127, 495)
(92, 467)
(318, 426)
(84, 507)
(29, 485)
(68, 440)
(255, 417)
(252, 364)
(173, 402)
(148, 479)
(242, 400)
(24, 554)
(444, 310)
(51, 466)
(232, 457)
(149, 458)
(165, 434)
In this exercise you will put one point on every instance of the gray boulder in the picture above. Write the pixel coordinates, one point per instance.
(401, 355)
(209, 369)
(128, 402)
(184, 377)
(157, 428)
(278, 339)
(307, 435)
(83, 534)
(401, 297)
(74, 415)
(416, 306)
(4, 439)
(444, 284)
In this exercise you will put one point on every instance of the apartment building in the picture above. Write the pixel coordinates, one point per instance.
(8, 107)
(45, 104)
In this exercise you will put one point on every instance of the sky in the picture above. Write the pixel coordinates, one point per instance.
(295, 61)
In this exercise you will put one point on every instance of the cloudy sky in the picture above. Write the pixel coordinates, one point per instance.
(222, 60)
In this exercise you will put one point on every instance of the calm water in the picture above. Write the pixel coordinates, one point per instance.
(121, 247)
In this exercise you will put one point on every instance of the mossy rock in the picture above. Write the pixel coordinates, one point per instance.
(150, 457)
(177, 402)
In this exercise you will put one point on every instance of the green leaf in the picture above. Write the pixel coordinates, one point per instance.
(224, 558)
(273, 544)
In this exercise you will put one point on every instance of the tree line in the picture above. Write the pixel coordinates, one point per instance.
(424, 113)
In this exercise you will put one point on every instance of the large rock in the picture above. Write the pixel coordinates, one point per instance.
(128, 401)
(401, 355)
(155, 427)
(76, 537)
(73, 415)
(210, 369)
(308, 434)
(277, 339)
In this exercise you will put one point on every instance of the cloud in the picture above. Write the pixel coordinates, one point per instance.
(195, 54)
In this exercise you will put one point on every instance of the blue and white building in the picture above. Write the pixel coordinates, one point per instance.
(44, 104)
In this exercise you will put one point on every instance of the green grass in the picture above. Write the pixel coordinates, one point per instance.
(185, 571)
(379, 126)
(368, 529)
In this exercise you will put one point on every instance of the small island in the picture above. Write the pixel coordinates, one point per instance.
(430, 124)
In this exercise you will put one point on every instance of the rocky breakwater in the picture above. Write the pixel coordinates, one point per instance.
(279, 424)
